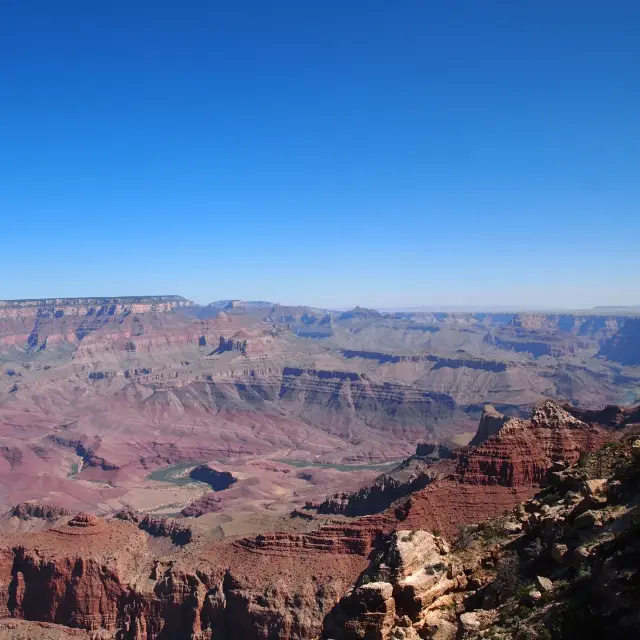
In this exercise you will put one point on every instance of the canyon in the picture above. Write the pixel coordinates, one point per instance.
(174, 470)
(95, 573)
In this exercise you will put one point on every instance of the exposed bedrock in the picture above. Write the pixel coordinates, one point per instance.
(451, 363)
(86, 452)
(521, 452)
(491, 422)
(624, 346)
(373, 498)
(165, 527)
(33, 509)
(413, 474)
(91, 574)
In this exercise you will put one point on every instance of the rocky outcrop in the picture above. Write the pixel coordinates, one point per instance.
(229, 344)
(491, 421)
(33, 509)
(88, 453)
(210, 502)
(465, 361)
(624, 346)
(356, 539)
(178, 532)
(394, 595)
(412, 475)
(434, 451)
(373, 498)
(14, 629)
(521, 452)
(70, 575)
(439, 363)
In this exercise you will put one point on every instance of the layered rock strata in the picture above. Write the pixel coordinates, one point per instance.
(91, 574)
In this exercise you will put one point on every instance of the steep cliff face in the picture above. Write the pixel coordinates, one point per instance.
(59, 307)
(467, 362)
(72, 575)
(521, 452)
(39, 325)
(94, 575)
(624, 346)
(347, 394)
(491, 421)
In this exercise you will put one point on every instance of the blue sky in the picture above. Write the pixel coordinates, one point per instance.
(322, 152)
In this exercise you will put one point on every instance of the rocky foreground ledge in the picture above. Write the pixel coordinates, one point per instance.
(562, 565)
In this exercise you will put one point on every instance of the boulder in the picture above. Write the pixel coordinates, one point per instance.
(579, 556)
(532, 597)
(596, 492)
(512, 528)
(413, 550)
(559, 552)
(586, 520)
(437, 627)
(374, 594)
(544, 584)
(470, 621)
(403, 633)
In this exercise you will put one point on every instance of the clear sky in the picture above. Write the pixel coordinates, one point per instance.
(327, 152)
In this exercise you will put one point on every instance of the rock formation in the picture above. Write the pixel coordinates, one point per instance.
(33, 509)
(562, 565)
(624, 346)
(521, 452)
(412, 475)
(93, 574)
(491, 422)
(178, 532)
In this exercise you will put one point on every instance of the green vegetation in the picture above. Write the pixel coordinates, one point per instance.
(493, 529)
(464, 538)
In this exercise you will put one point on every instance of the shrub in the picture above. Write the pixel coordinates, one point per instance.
(493, 529)
(523, 591)
(522, 612)
(464, 538)
(534, 549)
(507, 579)
(635, 522)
